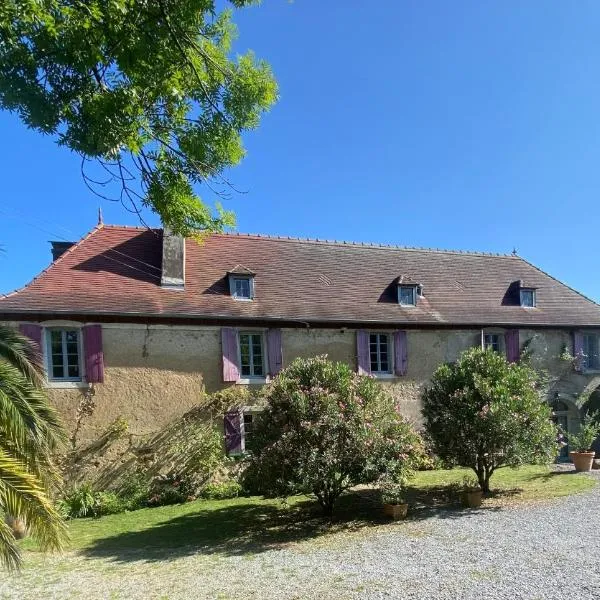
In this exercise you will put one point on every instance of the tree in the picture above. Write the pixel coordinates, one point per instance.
(30, 432)
(326, 429)
(485, 413)
(145, 89)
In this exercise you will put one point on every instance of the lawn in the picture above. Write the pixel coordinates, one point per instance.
(252, 524)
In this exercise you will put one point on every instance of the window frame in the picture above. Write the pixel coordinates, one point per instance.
(252, 378)
(48, 354)
(233, 290)
(586, 364)
(492, 334)
(413, 288)
(532, 291)
(390, 353)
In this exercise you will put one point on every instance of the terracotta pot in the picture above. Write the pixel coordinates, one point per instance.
(582, 460)
(472, 498)
(395, 511)
(18, 526)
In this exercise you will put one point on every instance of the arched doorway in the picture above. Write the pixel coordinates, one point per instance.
(560, 417)
(592, 406)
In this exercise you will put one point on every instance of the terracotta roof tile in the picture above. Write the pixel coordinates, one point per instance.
(116, 271)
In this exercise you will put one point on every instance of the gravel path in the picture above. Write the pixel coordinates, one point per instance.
(542, 551)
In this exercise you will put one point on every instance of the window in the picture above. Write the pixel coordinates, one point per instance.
(252, 361)
(242, 288)
(591, 350)
(247, 430)
(528, 297)
(491, 340)
(407, 295)
(63, 350)
(379, 349)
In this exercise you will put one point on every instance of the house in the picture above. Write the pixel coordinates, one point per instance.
(147, 322)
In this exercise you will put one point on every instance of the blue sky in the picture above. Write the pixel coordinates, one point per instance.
(463, 125)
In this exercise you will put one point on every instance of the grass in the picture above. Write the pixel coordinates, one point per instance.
(250, 525)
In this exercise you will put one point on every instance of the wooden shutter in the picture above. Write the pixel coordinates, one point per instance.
(512, 345)
(400, 353)
(93, 353)
(231, 371)
(274, 351)
(362, 352)
(33, 331)
(232, 427)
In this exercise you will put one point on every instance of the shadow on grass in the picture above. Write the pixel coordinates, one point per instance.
(253, 527)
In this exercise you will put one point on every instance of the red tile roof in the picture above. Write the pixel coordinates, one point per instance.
(115, 271)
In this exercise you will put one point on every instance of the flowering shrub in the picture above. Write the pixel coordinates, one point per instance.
(485, 413)
(168, 489)
(326, 429)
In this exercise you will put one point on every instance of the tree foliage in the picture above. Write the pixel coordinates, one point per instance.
(146, 87)
(326, 429)
(484, 413)
(30, 432)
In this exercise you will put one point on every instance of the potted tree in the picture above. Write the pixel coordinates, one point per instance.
(394, 501)
(472, 493)
(582, 455)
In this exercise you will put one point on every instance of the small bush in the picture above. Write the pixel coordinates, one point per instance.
(221, 491)
(166, 490)
(110, 503)
(78, 502)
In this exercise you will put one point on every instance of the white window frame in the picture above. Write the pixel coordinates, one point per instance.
(233, 291)
(491, 334)
(390, 347)
(586, 364)
(62, 382)
(533, 297)
(244, 410)
(245, 379)
(414, 294)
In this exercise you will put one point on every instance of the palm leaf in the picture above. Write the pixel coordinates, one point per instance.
(21, 352)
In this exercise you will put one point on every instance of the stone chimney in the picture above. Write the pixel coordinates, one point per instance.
(59, 248)
(173, 261)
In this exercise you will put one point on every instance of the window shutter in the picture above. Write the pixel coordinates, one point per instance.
(400, 353)
(232, 427)
(362, 352)
(274, 351)
(513, 347)
(578, 350)
(93, 353)
(34, 332)
(231, 371)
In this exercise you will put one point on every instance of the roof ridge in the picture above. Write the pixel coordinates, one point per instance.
(57, 261)
(558, 280)
(361, 244)
(134, 227)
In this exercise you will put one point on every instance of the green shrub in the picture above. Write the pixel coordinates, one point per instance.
(166, 490)
(78, 502)
(583, 440)
(326, 429)
(221, 491)
(110, 503)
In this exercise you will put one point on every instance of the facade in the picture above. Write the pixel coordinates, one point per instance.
(147, 323)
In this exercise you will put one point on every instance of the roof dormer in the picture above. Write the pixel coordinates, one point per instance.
(241, 283)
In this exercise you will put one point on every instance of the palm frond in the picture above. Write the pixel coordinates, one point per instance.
(21, 352)
(10, 556)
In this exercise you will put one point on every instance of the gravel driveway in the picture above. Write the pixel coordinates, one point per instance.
(540, 551)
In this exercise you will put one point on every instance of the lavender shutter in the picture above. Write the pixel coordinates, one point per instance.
(231, 371)
(274, 351)
(93, 353)
(578, 350)
(511, 342)
(33, 332)
(362, 352)
(232, 428)
(400, 353)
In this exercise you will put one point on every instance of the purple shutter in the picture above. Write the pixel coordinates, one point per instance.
(93, 353)
(233, 432)
(362, 352)
(578, 350)
(274, 351)
(511, 342)
(400, 353)
(231, 371)
(33, 332)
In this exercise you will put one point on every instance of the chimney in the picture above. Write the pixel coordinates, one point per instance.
(59, 248)
(173, 261)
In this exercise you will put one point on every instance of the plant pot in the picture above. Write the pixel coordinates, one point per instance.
(18, 526)
(472, 498)
(395, 511)
(582, 460)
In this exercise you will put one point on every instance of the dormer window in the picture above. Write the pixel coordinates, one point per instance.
(407, 295)
(527, 297)
(241, 283)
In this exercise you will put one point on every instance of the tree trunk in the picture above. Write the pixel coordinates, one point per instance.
(18, 526)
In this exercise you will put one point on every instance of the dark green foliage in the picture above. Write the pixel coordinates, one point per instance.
(326, 429)
(484, 413)
(583, 440)
(221, 491)
(148, 89)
